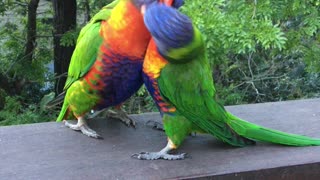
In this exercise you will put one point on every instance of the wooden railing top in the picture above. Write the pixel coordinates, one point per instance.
(51, 151)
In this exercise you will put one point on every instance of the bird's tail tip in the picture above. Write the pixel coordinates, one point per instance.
(256, 132)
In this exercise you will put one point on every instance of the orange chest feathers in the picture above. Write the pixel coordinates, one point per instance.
(124, 32)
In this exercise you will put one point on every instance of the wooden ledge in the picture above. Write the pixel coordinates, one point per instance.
(51, 151)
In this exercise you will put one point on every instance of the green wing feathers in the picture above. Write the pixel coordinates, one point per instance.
(88, 44)
(189, 86)
(86, 51)
(190, 91)
(84, 54)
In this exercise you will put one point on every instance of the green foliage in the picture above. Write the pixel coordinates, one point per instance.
(45, 100)
(140, 102)
(95, 5)
(257, 47)
(15, 113)
(13, 62)
(69, 38)
(3, 95)
(23, 82)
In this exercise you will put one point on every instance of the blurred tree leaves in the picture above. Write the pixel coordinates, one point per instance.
(258, 45)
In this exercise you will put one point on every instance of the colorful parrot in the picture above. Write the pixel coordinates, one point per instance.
(106, 65)
(178, 76)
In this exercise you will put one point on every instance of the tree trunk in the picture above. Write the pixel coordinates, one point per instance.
(32, 29)
(216, 74)
(87, 10)
(64, 20)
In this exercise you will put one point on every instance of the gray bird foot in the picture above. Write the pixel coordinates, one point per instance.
(155, 125)
(122, 116)
(84, 128)
(158, 155)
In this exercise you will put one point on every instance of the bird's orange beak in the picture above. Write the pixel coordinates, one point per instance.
(168, 2)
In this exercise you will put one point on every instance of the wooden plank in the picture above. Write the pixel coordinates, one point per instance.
(51, 151)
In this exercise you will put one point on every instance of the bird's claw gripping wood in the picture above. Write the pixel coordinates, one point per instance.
(163, 154)
(83, 127)
(122, 116)
(158, 155)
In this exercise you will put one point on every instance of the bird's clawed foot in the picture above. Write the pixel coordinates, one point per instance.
(158, 155)
(83, 127)
(122, 116)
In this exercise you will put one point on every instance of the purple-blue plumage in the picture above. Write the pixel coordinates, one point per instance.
(148, 82)
(123, 79)
(177, 3)
(139, 3)
(153, 89)
(168, 32)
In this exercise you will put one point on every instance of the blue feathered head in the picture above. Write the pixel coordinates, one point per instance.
(140, 3)
(174, 3)
(177, 3)
(168, 27)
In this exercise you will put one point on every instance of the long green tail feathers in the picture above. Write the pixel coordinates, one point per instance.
(253, 131)
(63, 111)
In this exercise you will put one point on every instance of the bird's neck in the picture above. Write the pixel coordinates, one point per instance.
(153, 61)
(125, 30)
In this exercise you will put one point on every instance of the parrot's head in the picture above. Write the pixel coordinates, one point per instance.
(140, 3)
(169, 28)
(174, 3)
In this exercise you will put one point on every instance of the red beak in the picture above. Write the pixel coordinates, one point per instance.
(168, 2)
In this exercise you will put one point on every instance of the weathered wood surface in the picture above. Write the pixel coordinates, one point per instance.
(51, 151)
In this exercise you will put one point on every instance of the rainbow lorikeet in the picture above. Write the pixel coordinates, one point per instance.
(106, 65)
(178, 76)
